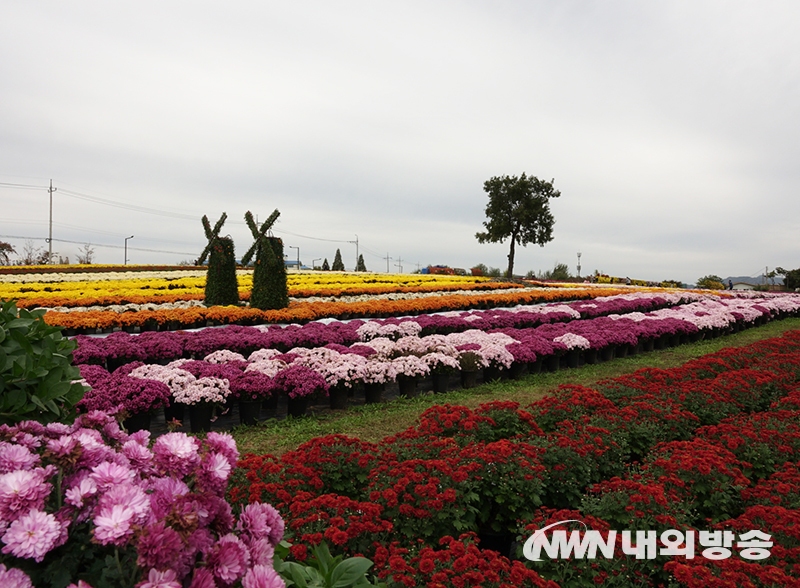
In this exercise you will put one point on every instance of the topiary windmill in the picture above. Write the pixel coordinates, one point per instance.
(221, 286)
(269, 276)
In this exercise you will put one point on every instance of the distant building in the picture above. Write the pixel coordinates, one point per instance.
(743, 286)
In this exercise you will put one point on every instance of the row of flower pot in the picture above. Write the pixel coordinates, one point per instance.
(202, 416)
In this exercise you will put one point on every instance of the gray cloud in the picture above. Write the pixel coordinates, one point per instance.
(671, 129)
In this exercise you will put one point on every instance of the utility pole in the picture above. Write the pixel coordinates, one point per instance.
(126, 249)
(50, 235)
(387, 262)
(399, 264)
(579, 264)
(356, 242)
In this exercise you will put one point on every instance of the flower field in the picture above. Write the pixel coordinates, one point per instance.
(710, 448)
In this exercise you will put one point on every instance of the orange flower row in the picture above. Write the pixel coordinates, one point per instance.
(300, 312)
(244, 294)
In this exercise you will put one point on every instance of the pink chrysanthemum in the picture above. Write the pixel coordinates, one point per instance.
(159, 546)
(176, 453)
(229, 559)
(22, 490)
(76, 495)
(262, 577)
(156, 579)
(108, 474)
(132, 497)
(113, 525)
(261, 521)
(14, 578)
(32, 535)
(16, 457)
(203, 578)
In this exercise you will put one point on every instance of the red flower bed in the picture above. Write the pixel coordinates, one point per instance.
(709, 446)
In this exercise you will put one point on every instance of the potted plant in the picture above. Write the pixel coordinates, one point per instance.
(441, 367)
(252, 388)
(408, 369)
(133, 399)
(202, 396)
(299, 384)
(471, 362)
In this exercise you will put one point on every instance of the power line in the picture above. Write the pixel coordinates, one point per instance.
(97, 244)
(22, 186)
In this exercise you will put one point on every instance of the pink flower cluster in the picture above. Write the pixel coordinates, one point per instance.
(160, 508)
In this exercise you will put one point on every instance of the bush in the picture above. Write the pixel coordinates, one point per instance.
(36, 372)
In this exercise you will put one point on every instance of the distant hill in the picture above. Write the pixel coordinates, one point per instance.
(749, 280)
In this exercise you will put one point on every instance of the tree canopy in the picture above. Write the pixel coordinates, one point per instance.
(338, 264)
(519, 210)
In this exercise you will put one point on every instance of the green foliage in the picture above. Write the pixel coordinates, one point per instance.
(791, 278)
(361, 266)
(326, 266)
(518, 209)
(711, 282)
(36, 371)
(338, 264)
(559, 272)
(322, 570)
(222, 288)
(269, 278)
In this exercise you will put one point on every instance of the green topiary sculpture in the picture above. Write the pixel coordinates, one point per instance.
(270, 291)
(222, 288)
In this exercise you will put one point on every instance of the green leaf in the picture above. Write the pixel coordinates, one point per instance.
(37, 401)
(16, 399)
(349, 572)
(297, 573)
(20, 322)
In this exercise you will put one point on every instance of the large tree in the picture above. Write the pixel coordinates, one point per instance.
(519, 209)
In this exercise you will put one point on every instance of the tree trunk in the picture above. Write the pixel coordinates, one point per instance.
(510, 272)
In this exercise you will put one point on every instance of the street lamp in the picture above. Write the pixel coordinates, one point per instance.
(579, 264)
(314, 263)
(298, 255)
(126, 249)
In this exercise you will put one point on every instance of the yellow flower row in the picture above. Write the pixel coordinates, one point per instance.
(300, 285)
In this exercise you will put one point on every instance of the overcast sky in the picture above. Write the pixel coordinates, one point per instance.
(672, 129)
